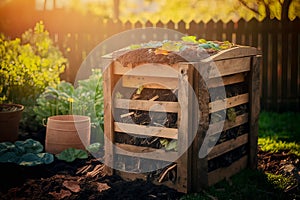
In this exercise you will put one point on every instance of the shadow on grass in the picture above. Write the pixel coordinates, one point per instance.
(248, 184)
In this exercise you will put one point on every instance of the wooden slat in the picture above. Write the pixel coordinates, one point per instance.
(147, 69)
(226, 80)
(185, 128)
(228, 102)
(236, 52)
(149, 82)
(135, 129)
(227, 146)
(145, 152)
(215, 128)
(254, 88)
(223, 173)
(108, 84)
(228, 67)
(164, 106)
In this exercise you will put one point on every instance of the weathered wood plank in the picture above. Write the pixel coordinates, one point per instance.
(142, 130)
(164, 106)
(149, 82)
(147, 69)
(226, 80)
(235, 52)
(214, 128)
(108, 84)
(254, 89)
(229, 66)
(229, 102)
(223, 173)
(185, 99)
(227, 146)
(145, 152)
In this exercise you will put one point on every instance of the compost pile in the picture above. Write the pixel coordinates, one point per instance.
(169, 52)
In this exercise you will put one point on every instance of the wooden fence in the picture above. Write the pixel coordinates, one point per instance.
(279, 43)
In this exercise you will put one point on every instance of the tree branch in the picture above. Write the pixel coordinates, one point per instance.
(244, 3)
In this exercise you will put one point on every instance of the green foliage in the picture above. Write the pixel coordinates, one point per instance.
(275, 146)
(70, 154)
(280, 126)
(86, 99)
(280, 182)
(27, 153)
(279, 132)
(248, 184)
(27, 66)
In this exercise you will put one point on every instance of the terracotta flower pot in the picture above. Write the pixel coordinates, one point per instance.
(10, 116)
(66, 131)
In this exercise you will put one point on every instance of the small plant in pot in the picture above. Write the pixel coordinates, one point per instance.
(66, 110)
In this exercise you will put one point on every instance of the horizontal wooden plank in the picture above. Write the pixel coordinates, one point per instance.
(226, 80)
(163, 106)
(146, 152)
(235, 52)
(149, 82)
(147, 69)
(227, 146)
(229, 66)
(143, 130)
(225, 173)
(223, 126)
(228, 102)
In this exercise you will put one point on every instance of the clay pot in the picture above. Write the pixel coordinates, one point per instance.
(66, 131)
(10, 116)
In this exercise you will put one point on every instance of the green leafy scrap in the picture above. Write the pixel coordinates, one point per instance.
(231, 114)
(135, 46)
(94, 148)
(71, 154)
(171, 46)
(189, 38)
(169, 145)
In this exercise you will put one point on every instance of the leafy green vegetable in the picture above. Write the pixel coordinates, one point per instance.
(70, 154)
(26, 153)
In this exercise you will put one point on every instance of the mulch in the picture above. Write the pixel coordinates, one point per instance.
(85, 179)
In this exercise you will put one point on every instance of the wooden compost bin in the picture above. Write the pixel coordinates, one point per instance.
(237, 146)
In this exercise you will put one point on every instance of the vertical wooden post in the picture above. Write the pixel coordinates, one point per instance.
(254, 91)
(108, 119)
(185, 127)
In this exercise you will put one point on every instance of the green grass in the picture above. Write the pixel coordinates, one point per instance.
(248, 184)
(278, 132)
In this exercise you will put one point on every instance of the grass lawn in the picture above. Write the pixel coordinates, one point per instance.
(279, 133)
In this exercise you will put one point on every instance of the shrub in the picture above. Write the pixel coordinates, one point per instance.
(27, 66)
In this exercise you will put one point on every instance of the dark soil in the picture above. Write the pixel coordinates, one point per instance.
(81, 179)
